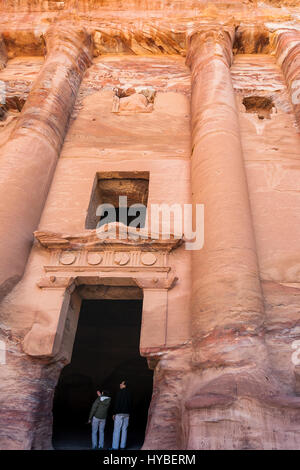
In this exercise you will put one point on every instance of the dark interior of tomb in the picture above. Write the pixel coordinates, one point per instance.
(137, 220)
(106, 350)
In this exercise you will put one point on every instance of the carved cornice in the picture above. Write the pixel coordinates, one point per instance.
(140, 36)
(128, 240)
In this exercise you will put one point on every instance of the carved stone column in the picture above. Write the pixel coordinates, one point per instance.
(287, 49)
(234, 377)
(236, 387)
(28, 159)
(227, 299)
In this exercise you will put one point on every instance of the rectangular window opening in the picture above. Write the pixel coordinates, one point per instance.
(118, 197)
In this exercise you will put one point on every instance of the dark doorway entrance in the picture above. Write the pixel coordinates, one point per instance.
(106, 349)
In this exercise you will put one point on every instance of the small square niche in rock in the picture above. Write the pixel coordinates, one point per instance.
(130, 100)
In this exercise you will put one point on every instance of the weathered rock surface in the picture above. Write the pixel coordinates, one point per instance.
(202, 97)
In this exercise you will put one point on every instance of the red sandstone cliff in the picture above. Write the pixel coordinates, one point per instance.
(217, 125)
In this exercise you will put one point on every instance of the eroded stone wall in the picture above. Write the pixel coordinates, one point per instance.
(224, 376)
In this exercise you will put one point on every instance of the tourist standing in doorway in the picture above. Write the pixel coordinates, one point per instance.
(121, 413)
(98, 416)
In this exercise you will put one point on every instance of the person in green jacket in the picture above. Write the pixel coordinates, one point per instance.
(97, 417)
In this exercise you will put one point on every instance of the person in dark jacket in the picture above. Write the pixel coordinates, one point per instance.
(98, 416)
(121, 412)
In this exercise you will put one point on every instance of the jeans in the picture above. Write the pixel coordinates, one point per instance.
(98, 424)
(120, 427)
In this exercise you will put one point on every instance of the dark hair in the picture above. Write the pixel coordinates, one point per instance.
(105, 393)
(125, 382)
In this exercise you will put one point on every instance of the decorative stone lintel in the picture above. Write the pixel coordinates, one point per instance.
(71, 257)
(67, 282)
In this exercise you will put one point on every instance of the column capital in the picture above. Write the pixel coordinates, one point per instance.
(208, 43)
(284, 41)
(286, 46)
(71, 42)
(287, 33)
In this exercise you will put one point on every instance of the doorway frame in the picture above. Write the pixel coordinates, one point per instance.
(74, 260)
(78, 307)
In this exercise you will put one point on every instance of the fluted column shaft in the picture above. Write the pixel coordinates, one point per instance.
(287, 49)
(28, 159)
(227, 300)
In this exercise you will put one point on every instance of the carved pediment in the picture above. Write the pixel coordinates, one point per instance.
(130, 252)
(128, 238)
